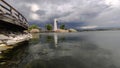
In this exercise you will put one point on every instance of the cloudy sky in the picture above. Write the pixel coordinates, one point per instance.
(81, 13)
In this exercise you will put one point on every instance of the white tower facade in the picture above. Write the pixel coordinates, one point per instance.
(55, 24)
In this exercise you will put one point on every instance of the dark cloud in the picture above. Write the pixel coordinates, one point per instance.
(41, 12)
(90, 12)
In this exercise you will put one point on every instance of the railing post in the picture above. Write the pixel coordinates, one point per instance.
(11, 11)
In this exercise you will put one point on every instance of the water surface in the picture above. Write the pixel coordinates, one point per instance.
(98, 49)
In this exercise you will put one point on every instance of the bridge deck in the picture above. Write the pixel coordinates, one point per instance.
(10, 15)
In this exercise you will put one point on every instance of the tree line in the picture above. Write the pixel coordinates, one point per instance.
(48, 27)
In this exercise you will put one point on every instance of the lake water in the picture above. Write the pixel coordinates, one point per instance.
(97, 49)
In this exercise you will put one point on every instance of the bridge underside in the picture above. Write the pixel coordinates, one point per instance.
(10, 19)
(6, 19)
(9, 27)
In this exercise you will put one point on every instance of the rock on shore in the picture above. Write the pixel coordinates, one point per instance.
(9, 40)
(6, 40)
(72, 30)
(64, 31)
(61, 30)
(34, 31)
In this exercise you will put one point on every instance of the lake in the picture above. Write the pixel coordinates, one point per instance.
(94, 49)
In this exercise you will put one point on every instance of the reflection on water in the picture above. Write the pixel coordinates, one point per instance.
(68, 50)
(13, 57)
(55, 39)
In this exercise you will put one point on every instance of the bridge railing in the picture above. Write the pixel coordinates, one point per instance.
(9, 11)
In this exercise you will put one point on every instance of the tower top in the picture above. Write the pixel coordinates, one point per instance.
(56, 19)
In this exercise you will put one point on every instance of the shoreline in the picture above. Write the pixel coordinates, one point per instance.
(12, 39)
(8, 42)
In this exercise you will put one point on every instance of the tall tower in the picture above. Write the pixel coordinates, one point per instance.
(55, 24)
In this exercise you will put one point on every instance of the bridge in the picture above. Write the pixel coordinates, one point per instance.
(11, 19)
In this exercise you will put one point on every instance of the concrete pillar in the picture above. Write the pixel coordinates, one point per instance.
(55, 24)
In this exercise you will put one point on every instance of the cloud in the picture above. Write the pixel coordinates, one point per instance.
(34, 7)
(113, 3)
(90, 12)
(88, 27)
(34, 16)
